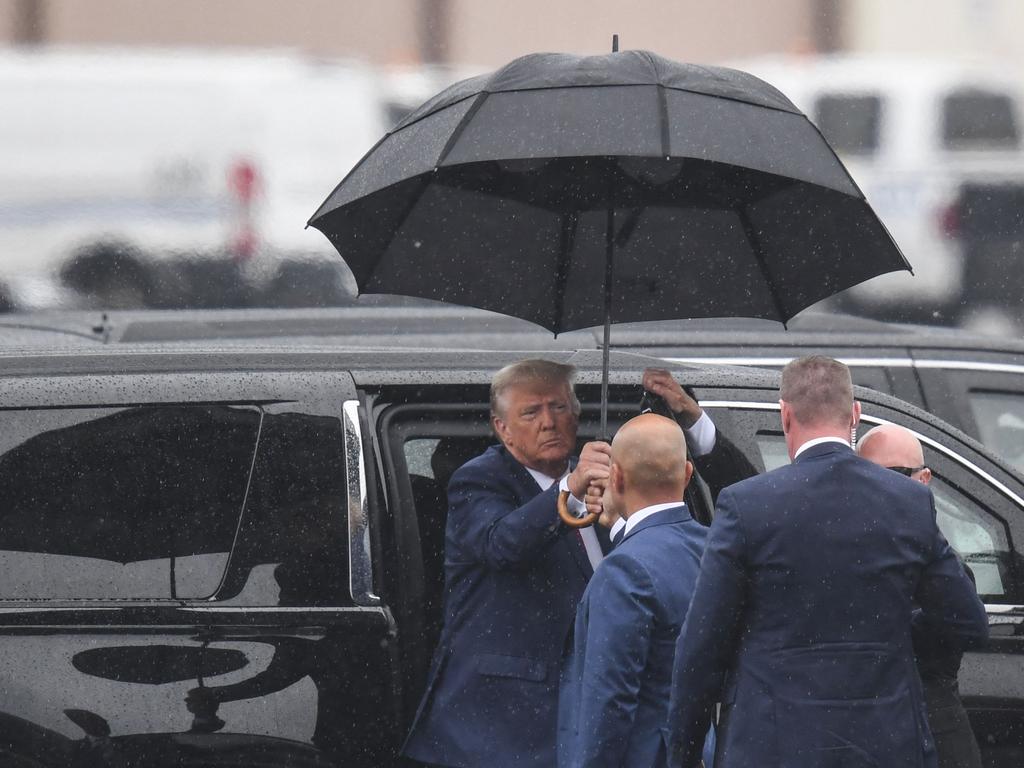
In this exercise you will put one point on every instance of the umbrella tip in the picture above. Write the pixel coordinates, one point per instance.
(615, 43)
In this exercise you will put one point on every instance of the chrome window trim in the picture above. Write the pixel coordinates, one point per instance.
(360, 572)
(863, 362)
(962, 365)
(889, 362)
(949, 453)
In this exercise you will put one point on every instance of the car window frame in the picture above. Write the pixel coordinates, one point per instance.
(329, 393)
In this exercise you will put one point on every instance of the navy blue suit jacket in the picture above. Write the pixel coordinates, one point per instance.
(800, 622)
(615, 689)
(514, 576)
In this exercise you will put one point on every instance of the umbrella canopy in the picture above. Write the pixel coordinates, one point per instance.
(561, 188)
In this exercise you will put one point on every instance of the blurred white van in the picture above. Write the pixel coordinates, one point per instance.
(913, 132)
(154, 153)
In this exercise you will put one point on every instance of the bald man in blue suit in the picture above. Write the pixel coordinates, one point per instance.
(615, 688)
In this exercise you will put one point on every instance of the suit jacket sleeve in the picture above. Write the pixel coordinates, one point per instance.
(952, 617)
(725, 465)
(621, 612)
(488, 525)
(704, 651)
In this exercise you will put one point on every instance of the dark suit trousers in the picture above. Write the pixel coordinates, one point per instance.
(947, 718)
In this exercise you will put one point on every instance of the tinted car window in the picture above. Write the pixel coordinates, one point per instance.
(121, 503)
(849, 122)
(291, 547)
(418, 452)
(975, 535)
(1000, 420)
(976, 119)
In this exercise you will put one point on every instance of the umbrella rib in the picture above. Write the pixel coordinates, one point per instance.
(345, 178)
(457, 133)
(663, 116)
(755, 245)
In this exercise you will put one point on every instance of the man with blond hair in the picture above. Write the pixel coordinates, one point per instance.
(800, 623)
(514, 573)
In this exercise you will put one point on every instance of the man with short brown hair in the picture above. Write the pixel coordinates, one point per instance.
(800, 623)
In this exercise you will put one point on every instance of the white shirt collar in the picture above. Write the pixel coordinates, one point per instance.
(642, 514)
(544, 481)
(819, 441)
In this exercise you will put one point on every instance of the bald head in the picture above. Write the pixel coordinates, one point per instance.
(649, 463)
(891, 445)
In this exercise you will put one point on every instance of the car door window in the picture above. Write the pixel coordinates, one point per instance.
(1000, 420)
(850, 122)
(121, 503)
(978, 538)
(973, 118)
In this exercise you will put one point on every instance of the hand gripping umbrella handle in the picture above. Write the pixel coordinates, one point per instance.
(569, 518)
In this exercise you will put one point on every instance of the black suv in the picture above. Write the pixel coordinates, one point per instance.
(232, 555)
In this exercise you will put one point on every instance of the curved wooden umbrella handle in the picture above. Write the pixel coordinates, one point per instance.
(569, 518)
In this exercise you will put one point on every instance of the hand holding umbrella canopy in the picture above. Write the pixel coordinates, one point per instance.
(574, 191)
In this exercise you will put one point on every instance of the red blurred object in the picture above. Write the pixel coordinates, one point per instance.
(244, 180)
(950, 220)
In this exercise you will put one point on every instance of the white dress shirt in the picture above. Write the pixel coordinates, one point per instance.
(819, 441)
(642, 514)
(578, 508)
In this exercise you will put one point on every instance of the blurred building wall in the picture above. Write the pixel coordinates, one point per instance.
(460, 32)
(377, 31)
(690, 30)
(982, 29)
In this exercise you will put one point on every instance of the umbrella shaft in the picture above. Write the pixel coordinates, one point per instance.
(609, 251)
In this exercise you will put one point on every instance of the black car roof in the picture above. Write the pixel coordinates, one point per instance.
(367, 366)
(377, 324)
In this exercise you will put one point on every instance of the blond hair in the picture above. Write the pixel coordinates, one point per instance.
(533, 371)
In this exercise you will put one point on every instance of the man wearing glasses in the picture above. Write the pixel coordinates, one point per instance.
(896, 448)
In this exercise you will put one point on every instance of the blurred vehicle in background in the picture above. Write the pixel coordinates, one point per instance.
(178, 177)
(935, 145)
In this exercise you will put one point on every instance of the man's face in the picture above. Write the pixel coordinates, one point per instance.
(894, 447)
(538, 426)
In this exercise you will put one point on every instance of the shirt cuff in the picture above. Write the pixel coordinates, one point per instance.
(576, 507)
(701, 435)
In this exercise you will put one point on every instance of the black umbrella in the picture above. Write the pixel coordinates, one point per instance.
(574, 191)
